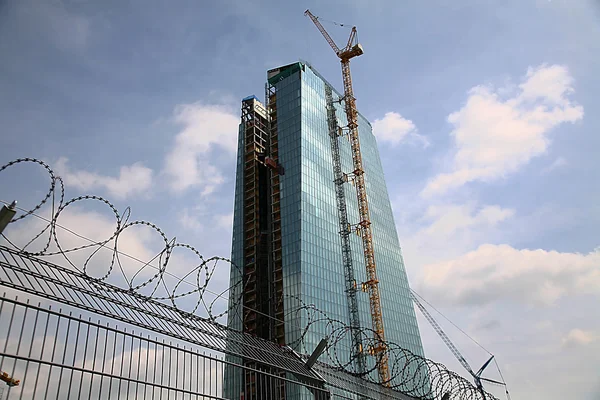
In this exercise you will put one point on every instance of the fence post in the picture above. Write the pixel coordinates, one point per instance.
(7, 214)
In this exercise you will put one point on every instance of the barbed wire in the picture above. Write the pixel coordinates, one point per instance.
(203, 271)
(410, 373)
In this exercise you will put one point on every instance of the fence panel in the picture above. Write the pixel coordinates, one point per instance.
(58, 355)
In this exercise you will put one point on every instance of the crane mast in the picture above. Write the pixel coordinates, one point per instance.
(345, 231)
(372, 284)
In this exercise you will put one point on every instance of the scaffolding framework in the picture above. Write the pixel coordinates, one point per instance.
(263, 294)
(256, 141)
(276, 254)
(257, 308)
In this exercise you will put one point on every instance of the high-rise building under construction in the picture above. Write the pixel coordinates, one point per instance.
(295, 236)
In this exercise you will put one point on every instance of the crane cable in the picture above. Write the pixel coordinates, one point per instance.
(339, 24)
(332, 22)
(502, 377)
(453, 324)
(467, 335)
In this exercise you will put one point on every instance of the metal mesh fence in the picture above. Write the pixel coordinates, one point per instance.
(64, 356)
(93, 340)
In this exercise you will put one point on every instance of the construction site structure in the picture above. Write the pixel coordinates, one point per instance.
(262, 274)
(276, 170)
(351, 50)
(256, 219)
(335, 132)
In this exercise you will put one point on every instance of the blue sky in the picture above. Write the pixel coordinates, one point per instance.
(486, 117)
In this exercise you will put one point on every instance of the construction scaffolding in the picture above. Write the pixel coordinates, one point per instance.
(263, 276)
(276, 253)
(256, 319)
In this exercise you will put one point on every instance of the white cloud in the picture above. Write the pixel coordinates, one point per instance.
(393, 128)
(225, 221)
(132, 180)
(446, 231)
(138, 260)
(495, 272)
(558, 163)
(99, 226)
(201, 217)
(449, 219)
(191, 221)
(495, 136)
(188, 165)
(578, 337)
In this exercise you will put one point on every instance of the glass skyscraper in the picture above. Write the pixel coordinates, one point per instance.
(287, 221)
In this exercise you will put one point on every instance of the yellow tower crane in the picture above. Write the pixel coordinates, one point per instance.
(352, 50)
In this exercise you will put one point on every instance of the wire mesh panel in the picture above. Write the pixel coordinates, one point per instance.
(57, 355)
(34, 276)
(25, 339)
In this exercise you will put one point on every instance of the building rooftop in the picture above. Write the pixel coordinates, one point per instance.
(275, 74)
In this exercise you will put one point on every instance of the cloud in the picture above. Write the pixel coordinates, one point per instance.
(449, 219)
(494, 136)
(501, 272)
(97, 225)
(225, 221)
(487, 325)
(446, 231)
(191, 221)
(199, 218)
(578, 337)
(132, 180)
(558, 163)
(139, 259)
(207, 131)
(393, 128)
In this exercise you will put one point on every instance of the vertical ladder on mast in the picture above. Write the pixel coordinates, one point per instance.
(339, 179)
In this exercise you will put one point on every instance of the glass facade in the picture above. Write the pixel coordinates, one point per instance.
(313, 271)
(233, 379)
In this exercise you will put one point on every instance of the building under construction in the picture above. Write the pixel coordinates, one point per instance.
(297, 234)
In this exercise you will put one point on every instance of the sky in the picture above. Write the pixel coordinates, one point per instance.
(486, 115)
